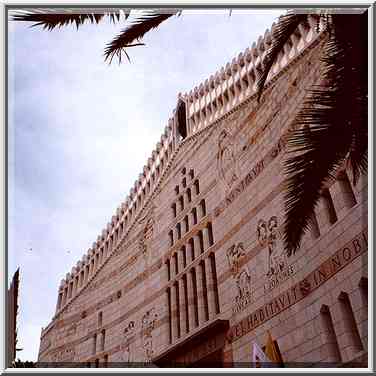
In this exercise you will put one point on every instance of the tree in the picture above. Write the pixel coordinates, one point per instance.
(49, 19)
(330, 129)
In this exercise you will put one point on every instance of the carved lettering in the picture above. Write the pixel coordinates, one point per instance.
(297, 292)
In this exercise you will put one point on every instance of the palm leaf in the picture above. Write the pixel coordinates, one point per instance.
(330, 128)
(133, 33)
(51, 18)
(285, 27)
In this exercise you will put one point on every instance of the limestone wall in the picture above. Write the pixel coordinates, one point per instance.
(206, 244)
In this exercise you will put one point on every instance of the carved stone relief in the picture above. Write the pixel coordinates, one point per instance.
(234, 256)
(146, 236)
(243, 286)
(129, 332)
(227, 164)
(269, 236)
(148, 324)
(66, 355)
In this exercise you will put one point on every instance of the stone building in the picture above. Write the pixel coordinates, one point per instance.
(191, 269)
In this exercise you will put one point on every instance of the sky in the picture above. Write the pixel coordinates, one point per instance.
(81, 130)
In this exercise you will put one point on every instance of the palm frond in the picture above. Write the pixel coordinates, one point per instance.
(134, 32)
(330, 128)
(52, 18)
(285, 27)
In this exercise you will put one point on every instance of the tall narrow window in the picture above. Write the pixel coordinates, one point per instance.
(168, 270)
(363, 285)
(100, 319)
(186, 301)
(195, 296)
(191, 174)
(181, 120)
(178, 313)
(65, 295)
(204, 290)
(178, 230)
(76, 283)
(184, 253)
(87, 272)
(189, 195)
(186, 224)
(349, 323)
(176, 263)
(346, 190)
(171, 236)
(329, 207)
(173, 207)
(94, 348)
(197, 187)
(215, 287)
(59, 300)
(201, 238)
(210, 234)
(103, 339)
(194, 213)
(181, 201)
(169, 315)
(192, 247)
(203, 208)
(184, 182)
(106, 360)
(329, 340)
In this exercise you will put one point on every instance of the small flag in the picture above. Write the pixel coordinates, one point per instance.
(271, 350)
(259, 359)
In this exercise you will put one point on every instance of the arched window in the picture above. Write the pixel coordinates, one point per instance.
(189, 195)
(210, 234)
(329, 206)
(194, 213)
(171, 236)
(197, 187)
(203, 208)
(181, 201)
(178, 230)
(186, 223)
(173, 207)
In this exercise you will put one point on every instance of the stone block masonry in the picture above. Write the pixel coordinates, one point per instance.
(191, 269)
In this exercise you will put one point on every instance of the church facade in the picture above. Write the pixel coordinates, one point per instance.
(191, 271)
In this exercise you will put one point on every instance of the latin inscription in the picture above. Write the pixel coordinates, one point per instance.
(316, 278)
(280, 277)
(250, 177)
